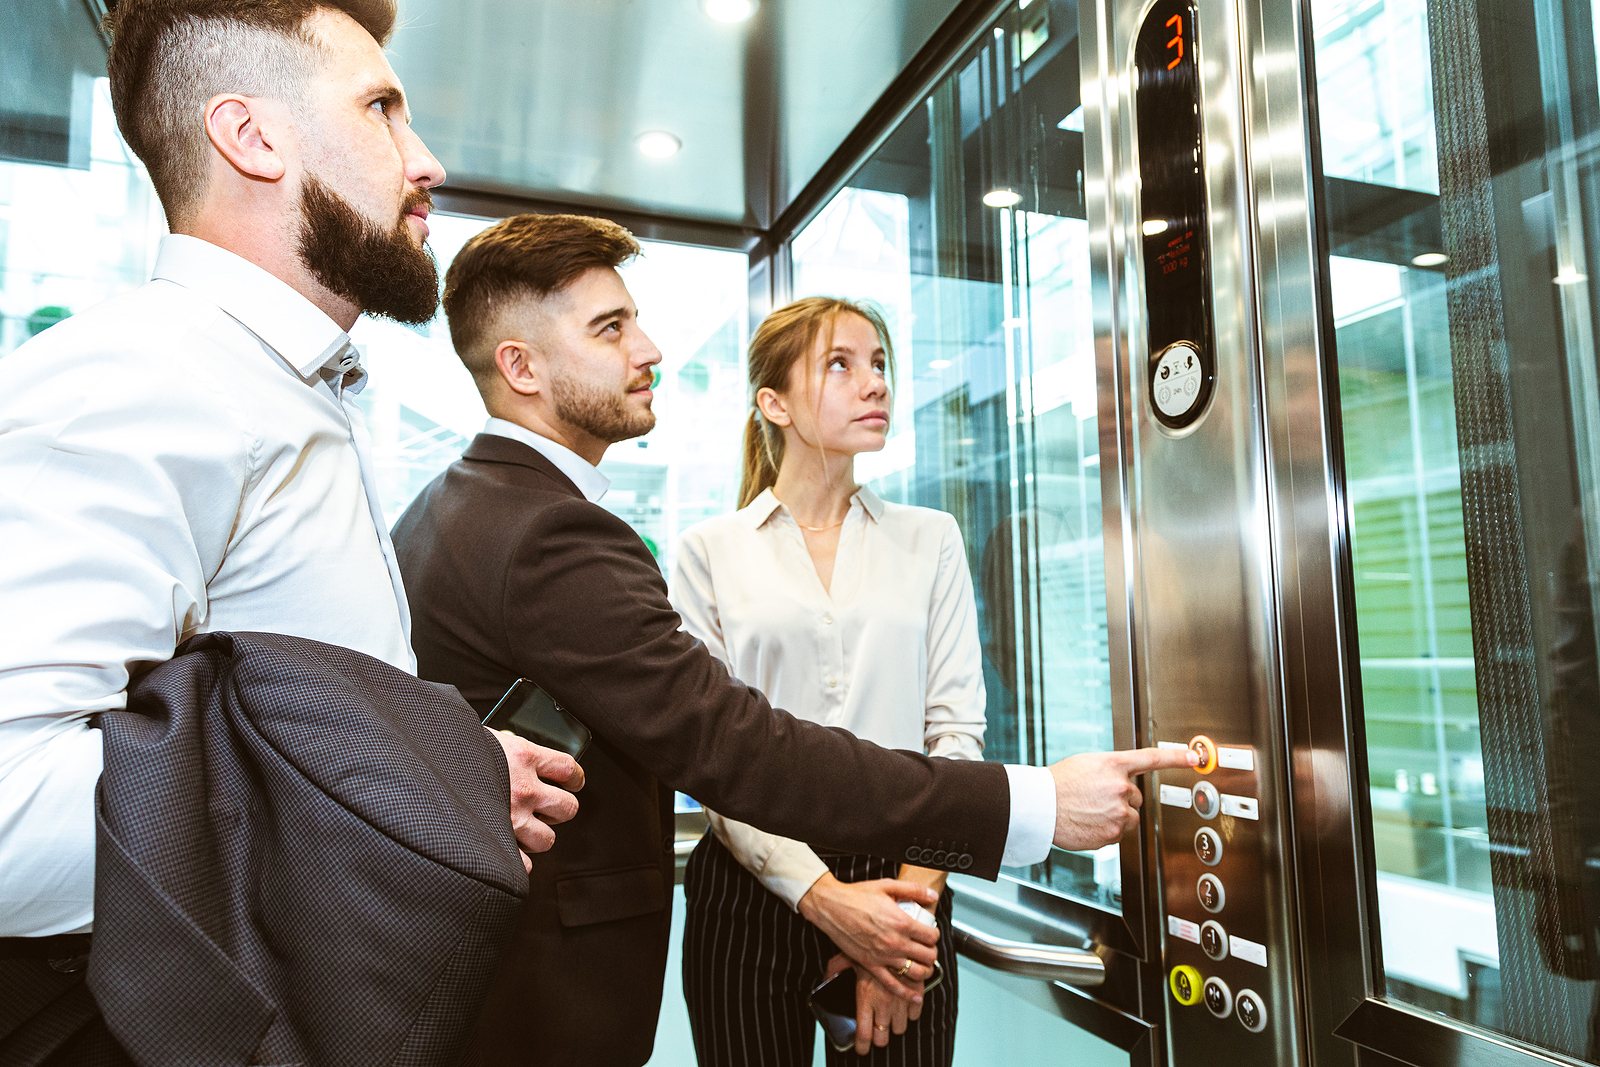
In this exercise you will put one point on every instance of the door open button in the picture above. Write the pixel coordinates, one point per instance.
(1251, 1010)
(1208, 846)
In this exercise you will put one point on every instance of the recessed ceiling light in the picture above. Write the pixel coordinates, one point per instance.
(658, 144)
(1568, 276)
(730, 10)
(1430, 259)
(1152, 227)
(1002, 197)
(938, 364)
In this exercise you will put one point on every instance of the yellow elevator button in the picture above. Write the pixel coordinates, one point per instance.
(1186, 986)
(1206, 749)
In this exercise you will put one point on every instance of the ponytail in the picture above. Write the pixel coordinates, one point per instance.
(763, 453)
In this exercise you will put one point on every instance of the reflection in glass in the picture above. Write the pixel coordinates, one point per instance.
(1458, 143)
(987, 297)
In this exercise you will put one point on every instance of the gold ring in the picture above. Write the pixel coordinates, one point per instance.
(880, 1028)
(903, 971)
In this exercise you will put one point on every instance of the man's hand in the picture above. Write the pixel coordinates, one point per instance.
(535, 805)
(1097, 800)
(864, 920)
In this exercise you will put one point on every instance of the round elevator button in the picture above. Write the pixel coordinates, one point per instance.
(1214, 940)
(1206, 749)
(1207, 802)
(1251, 1010)
(1212, 895)
(1185, 983)
(1208, 846)
(1218, 998)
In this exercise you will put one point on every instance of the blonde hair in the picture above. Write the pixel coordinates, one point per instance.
(782, 341)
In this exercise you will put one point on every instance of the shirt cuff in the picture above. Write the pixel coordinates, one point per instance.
(1033, 816)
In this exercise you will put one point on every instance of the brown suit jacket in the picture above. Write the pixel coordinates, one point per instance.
(512, 573)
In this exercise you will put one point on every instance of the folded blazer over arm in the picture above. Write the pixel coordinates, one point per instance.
(303, 855)
(510, 571)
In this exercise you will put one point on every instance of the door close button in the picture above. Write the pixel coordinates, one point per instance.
(1218, 998)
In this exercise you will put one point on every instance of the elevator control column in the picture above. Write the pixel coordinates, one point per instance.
(1204, 609)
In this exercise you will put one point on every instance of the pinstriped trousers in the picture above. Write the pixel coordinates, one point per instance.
(750, 962)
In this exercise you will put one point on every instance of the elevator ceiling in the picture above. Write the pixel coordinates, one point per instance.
(547, 98)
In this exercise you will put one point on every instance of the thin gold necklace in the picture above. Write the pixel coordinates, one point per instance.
(819, 529)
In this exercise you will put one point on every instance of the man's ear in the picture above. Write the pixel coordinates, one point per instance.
(234, 125)
(773, 407)
(514, 360)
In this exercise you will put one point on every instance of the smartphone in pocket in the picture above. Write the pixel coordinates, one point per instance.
(531, 713)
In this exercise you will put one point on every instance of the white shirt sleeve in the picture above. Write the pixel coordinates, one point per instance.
(954, 719)
(118, 493)
(1033, 816)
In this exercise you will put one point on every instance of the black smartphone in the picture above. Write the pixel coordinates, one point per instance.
(530, 713)
(834, 1004)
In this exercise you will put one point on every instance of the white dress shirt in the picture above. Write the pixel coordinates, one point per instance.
(183, 458)
(583, 474)
(890, 652)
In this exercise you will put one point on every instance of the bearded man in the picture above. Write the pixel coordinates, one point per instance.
(515, 571)
(189, 457)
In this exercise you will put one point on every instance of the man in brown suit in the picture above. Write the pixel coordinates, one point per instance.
(513, 570)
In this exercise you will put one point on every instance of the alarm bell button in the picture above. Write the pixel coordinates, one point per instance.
(1185, 983)
(1206, 749)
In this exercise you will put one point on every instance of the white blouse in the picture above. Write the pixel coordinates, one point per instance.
(890, 653)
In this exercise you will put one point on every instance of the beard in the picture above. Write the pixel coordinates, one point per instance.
(599, 411)
(385, 273)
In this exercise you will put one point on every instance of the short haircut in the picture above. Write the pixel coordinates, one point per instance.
(520, 258)
(169, 57)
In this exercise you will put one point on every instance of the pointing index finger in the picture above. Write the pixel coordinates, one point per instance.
(1143, 760)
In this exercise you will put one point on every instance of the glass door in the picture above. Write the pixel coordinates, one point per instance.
(1459, 202)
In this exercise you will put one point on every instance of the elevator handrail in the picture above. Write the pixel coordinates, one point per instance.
(1053, 963)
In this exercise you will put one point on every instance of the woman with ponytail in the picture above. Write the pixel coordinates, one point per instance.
(854, 613)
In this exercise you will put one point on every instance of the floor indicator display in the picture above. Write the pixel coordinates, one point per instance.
(1182, 366)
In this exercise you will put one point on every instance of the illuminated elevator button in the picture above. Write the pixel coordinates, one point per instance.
(1206, 800)
(1252, 1012)
(1178, 796)
(1212, 895)
(1249, 951)
(1240, 807)
(1206, 749)
(1185, 983)
(1208, 846)
(1214, 940)
(1218, 998)
(1235, 758)
(1183, 929)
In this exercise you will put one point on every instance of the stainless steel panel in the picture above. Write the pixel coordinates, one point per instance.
(1198, 556)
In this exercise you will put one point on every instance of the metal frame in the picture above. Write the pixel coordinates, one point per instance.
(487, 203)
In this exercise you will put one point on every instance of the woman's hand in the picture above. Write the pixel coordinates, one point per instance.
(880, 1013)
(865, 921)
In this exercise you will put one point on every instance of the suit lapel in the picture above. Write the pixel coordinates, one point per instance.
(492, 448)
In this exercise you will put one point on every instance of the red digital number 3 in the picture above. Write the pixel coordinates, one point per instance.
(1176, 22)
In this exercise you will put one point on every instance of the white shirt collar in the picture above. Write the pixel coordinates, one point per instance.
(585, 475)
(759, 510)
(299, 331)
